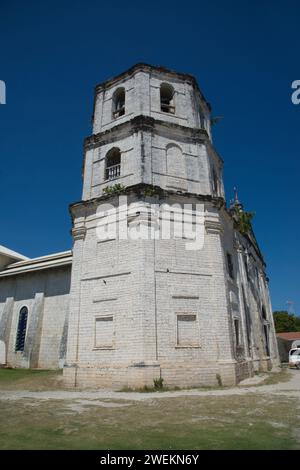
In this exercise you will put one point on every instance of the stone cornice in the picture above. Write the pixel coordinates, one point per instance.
(139, 189)
(143, 123)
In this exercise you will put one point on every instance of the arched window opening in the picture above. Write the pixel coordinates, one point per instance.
(119, 103)
(21, 332)
(113, 164)
(167, 98)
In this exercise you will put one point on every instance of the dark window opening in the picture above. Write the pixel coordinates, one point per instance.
(266, 333)
(230, 266)
(167, 98)
(21, 332)
(202, 121)
(237, 331)
(113, 164)
(246, 267)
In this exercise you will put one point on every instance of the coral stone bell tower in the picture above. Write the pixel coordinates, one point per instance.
(142, 309)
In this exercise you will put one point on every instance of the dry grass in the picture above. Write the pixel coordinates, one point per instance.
(247, 421)
(240, 422)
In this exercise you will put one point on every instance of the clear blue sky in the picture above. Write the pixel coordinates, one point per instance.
(244, 54)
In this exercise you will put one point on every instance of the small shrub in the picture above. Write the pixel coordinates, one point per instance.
(149, 192)
(219, 380)
(116, 188)
(243, 219)
(158, 383)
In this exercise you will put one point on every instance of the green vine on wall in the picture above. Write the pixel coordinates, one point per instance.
(243, 220)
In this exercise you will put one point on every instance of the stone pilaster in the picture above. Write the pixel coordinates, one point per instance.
(5, 324)
(34, 331)
(70, 367)
(222, 324)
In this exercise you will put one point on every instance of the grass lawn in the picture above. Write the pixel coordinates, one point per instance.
(240, 422)
(28, 379)
(250, 421)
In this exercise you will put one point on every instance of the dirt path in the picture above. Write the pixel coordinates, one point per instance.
(289, 388)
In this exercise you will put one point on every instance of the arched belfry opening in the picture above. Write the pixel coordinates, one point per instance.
(113, 164)
(167, 104)
(118, 103)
